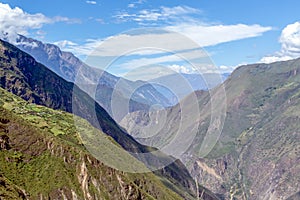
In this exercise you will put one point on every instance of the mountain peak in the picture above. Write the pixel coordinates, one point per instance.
(30, 80)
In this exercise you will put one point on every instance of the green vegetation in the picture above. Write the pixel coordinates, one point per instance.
(41, 163)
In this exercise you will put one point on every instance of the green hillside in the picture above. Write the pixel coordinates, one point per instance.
(42, 156)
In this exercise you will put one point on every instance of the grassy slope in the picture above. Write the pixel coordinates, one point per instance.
(23, 76)
(42, 155)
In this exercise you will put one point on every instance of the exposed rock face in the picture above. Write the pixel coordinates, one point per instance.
(258, 153)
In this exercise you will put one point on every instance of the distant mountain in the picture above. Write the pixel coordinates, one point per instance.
(257, 155)
(33, 82)
(140, 94)
(186, 84)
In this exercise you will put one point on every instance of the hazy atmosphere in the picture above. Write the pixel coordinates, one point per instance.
(146, 99)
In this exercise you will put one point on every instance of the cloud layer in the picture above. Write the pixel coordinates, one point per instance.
(209, 35)
(15, 21)
(290, 45)
(162, 14)
(201, 35)
(183, 41)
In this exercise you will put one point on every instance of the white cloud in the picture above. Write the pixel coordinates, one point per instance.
(275, 58)
(64, 43)
(224, 67)
(168, 48)
(155, 71)
(181, 69)
(199, 34)
(153, 15)
(91, 2)
(179, 10)
(155, 47)
(229, 69)
(29, 44)
(146, 40)
(80, 50)
(15, 21)
(196, 35)
(149, 72)
(181, 33)
(140, 1)
(189, 56)
(65, 19)
(134, 4)
(290, 39)
(131, 5)
(140, 44)
(209, 35)
(135, 63)
(290, 45)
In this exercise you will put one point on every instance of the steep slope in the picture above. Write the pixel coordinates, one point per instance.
(257, 155)
(42, 157)
(261, 132)
(69, 67)
(23, 76)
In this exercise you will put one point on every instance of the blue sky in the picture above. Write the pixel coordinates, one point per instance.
(232, 32)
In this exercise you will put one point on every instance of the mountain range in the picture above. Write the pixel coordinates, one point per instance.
(186, 84)
(110, 91)
(257, 155)
(100, 84)
(21, 75)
